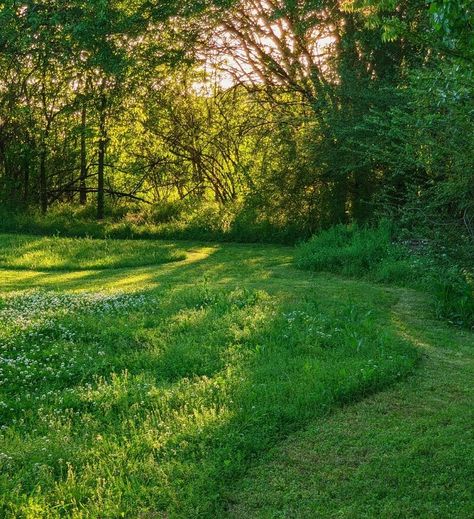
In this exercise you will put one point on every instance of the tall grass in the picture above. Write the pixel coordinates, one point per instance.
(203, 222)
(375, 254)
(349, 250)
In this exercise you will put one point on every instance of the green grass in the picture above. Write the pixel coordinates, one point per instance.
(148, 391)
(185, 220)
(405, 452)
(375, 255)
(42, 253)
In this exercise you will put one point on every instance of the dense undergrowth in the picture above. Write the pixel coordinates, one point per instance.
(198, 221)
(376, 255)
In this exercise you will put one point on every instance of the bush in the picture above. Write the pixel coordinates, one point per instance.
(163, 212)
(454, 292)
(186, 220)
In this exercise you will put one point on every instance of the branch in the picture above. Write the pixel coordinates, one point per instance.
(112, 192)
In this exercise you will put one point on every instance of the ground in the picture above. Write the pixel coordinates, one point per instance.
(176, 379)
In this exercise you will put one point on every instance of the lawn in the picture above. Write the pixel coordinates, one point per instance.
(161, 379)
(33, 253)
(404, 452)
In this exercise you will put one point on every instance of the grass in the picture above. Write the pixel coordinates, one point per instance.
(375, 255)
(148, 391)
(186, 220)
(404, 452)
(43, 253)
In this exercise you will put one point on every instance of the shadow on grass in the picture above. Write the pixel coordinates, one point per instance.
(225, 264)
(191, 391)
(72, 254)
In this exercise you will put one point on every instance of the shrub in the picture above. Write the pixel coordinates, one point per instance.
(187, 220)
(454, 292)
(163, 212)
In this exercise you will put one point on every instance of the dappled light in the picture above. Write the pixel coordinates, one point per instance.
(173, 379)
(194, 366)
(43, 254)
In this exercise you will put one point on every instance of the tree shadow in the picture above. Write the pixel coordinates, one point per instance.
(199, 386)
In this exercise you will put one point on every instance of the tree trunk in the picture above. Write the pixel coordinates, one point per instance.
(102, 147)
(83, 175)
(26, 179)
(339, 200)
(43, 181)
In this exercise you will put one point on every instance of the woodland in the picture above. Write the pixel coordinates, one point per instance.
(236, 259)
(292, 115)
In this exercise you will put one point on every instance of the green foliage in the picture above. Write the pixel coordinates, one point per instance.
(426, 133)
(454, 291)
(454, 19)
(164, 212)
(168, 220)
(348, 250)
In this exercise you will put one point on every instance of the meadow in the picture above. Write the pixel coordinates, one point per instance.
(172, 379)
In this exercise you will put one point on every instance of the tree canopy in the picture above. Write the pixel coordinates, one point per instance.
(304, 113)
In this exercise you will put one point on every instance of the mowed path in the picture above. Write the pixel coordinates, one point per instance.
(404, 452)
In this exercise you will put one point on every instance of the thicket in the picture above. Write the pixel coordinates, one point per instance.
(286, 116)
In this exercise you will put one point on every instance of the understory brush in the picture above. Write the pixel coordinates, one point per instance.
(377, 255)
(178, 220)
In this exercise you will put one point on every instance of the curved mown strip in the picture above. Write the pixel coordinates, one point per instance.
(404, 452)
(157, 401)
